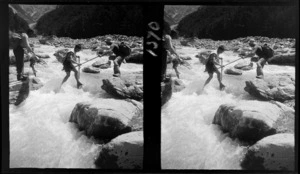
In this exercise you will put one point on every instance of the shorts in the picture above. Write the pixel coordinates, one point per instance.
(120, 59)
(211, 69)
(262, 61)
(69, 68)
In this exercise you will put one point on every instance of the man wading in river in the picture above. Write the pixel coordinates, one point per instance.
(68, 66)
(18, 42)
(264, 53)
(210, 66)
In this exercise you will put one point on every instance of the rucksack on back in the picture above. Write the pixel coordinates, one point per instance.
(269, 52)
(61, 55)
(125, 49)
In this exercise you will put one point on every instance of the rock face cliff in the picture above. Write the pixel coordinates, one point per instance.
(86, 21)
(31, 13)
(174, 13)
(224, 22)
(15, 22)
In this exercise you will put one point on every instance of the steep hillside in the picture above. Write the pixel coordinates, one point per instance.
(15, 22)
(31, 13)
(21, 12)
(239, 21)
(88, 21)
(174, 13)
(36, 11)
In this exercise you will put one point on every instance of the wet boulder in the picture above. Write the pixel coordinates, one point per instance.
(244, 66)
(101, 65)
(19, 90)
(108, 118)
(121, 89)
(233, 71)
(276, 152)
(280, 87)
(43, 56)
(135, 58)
(35, 83)
(90, 69)
(166, 91)
(185, 57)
(123, 152)
(250, 121)
(177, 85)
(184, 43)
(283, 59)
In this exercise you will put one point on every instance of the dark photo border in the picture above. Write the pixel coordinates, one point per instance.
(153, 12)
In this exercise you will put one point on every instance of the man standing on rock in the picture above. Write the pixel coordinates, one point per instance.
(168, 49)
(264, 53)
(18, 42)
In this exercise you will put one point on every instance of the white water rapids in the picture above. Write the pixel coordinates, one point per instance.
(189, 139)
(41, 135)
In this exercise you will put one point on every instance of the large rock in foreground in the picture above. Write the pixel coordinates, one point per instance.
(102, 65)
(135, 58)
(253, 120)
(108, 118)
(233, 71)
(276, 152)
(244, 66)
(19, 90)
(283, 59)
(122, 88)
(168, 87)
(90, 69)
(279, 87)
(123, 152)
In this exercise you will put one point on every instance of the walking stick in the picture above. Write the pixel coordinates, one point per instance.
(79, 68)
(221, 69)
(229, 63)
(87, 61)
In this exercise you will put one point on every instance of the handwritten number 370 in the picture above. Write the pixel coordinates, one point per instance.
(155, 27)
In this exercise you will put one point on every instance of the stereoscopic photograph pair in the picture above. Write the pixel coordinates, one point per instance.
(222, 78)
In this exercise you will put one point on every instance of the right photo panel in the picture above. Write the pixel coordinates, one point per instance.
(228, 87)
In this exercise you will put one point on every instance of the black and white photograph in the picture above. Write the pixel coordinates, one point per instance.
(228, 87)
(76, 86)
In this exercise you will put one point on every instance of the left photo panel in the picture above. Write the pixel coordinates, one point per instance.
(76, 86)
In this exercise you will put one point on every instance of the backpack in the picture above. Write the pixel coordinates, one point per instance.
(61, 55)
(265, 52)
(124, 49)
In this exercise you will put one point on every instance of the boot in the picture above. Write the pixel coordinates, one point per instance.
(259, 72)
(117, 72)
(222, 86)
(79, 85)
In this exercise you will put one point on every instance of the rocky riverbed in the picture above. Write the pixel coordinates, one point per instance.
(100, 124)
(250, 125)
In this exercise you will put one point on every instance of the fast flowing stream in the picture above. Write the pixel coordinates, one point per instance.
(41, 135)
(189, 139)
